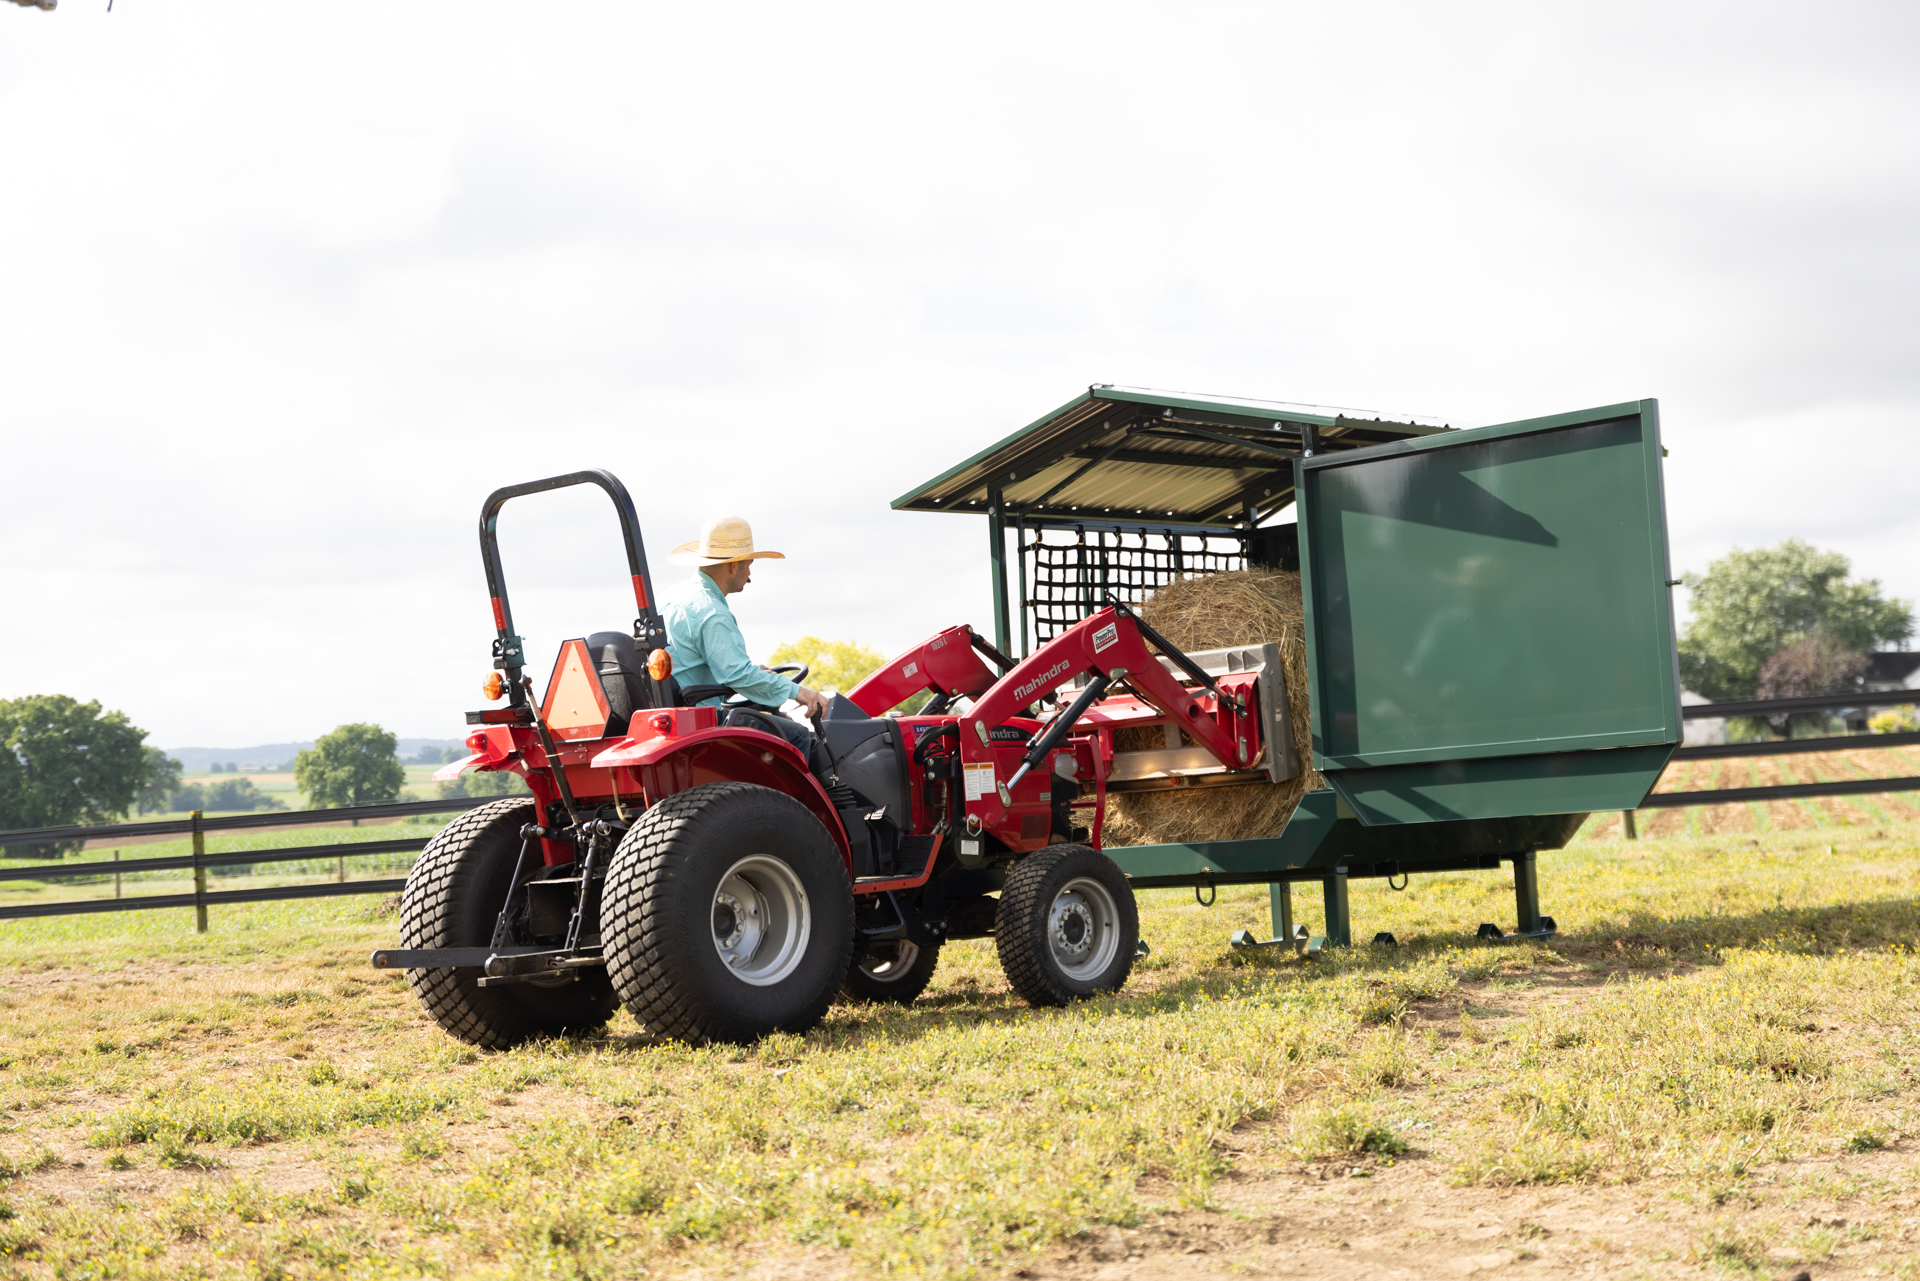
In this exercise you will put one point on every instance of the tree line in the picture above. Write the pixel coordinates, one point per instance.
(68, 763)
(1785, 622)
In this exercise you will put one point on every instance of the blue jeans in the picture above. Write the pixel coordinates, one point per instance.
(801, 736)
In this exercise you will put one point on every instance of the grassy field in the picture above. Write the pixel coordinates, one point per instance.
(1710, 1071)
(279, 786)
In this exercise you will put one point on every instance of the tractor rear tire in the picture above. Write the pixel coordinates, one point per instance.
(452, 899)
(727, 916)
(1067, 927)
(898, 971)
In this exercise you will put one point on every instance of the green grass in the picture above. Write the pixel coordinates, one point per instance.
(1714, 1008)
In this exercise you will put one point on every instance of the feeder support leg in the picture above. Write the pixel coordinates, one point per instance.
(997, 565)
(1339, 927)
(1280, 897)
(1526, 893)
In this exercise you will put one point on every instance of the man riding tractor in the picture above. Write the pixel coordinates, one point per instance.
(704, 637)
(718, 882)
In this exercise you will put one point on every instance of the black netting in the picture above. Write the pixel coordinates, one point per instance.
(1068, 573)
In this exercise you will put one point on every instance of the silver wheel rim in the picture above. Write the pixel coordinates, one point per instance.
(1083, 929)
(891, 969)
(760, 920)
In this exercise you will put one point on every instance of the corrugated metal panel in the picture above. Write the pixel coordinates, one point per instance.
(1129, 453)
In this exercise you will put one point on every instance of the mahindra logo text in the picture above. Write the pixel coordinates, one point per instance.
(1041, 679)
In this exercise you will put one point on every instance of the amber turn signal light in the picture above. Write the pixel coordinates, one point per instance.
(660, 664)
(493, 688)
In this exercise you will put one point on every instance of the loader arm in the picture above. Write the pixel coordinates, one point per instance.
(1109, 645)
(944, 665)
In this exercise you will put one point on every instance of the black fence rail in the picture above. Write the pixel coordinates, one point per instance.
(1781, 792)
(231, 822)
(199, 861)
(1789, 706)
(1793, 746)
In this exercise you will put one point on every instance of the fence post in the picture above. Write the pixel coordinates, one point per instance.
(199, 875)
(1626, 825)
(116, 875)
(342, 877)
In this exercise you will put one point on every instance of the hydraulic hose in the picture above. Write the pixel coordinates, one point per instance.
(950, 730)
(1053, 733)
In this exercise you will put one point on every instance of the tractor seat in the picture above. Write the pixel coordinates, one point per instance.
(624, 677)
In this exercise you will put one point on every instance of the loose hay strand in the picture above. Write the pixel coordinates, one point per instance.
(1242, 607)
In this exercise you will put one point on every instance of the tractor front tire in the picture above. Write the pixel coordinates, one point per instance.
(1067, 927)
(453, 899)
(896, 971)
(727, 915)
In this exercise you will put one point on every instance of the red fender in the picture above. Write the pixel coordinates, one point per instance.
(731, 754)
(488, 747)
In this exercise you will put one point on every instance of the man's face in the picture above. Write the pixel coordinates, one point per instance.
(732, 576)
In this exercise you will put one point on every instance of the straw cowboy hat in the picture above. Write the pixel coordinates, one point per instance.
(725, 538)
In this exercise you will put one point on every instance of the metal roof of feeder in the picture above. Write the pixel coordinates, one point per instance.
(1133, 454)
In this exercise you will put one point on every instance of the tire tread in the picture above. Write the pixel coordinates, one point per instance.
(441, 880)
(644, 939)
(1020, 933)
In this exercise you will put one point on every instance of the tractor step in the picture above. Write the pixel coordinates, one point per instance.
(911, 865)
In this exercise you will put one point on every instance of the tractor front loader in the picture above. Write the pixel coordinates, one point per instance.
(675, 859)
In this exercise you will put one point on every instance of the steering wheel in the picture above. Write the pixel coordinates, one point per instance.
(801, 679)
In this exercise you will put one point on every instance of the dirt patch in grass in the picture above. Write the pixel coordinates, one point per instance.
(1834, 1218)
(1838, 1219)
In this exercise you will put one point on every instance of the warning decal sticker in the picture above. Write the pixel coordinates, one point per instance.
(980, 781)
(1105, 636)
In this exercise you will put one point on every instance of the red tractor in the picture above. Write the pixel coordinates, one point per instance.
(701, 873)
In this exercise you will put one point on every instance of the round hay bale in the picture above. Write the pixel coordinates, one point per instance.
(1244, 607)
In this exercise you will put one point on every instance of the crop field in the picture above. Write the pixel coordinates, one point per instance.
(1771, 771)
(278, 785)
(1711, 1071)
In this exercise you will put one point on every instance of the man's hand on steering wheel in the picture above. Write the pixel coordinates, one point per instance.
(813, 701)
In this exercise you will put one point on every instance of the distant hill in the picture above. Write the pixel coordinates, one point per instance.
(196, 760)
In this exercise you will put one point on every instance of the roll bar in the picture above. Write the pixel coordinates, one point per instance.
(649, 632)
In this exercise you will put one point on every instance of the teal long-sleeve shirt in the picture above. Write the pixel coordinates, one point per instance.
(704, 638)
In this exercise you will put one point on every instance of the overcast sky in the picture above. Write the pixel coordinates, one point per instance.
(287, 289)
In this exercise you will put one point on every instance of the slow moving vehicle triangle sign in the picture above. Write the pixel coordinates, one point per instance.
(576, 705)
